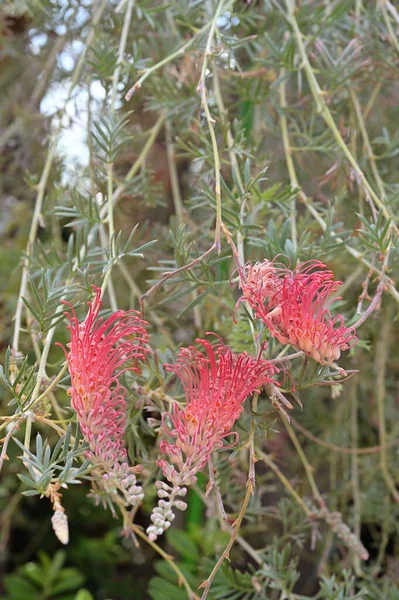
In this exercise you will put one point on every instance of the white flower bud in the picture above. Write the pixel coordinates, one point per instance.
(59, 521)
(163, 494)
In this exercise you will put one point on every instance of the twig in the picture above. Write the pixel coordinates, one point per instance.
(50, 388)
(107, 283)
(333, 519)
(381, 357)
(376, 301)
(169, 559)
(287, 154)
(323, 109)
(365, 286)
(165, 61)
(155, 129)
(121, 49)
(308, 203)
(270, 463)
(234, 163)
(99, 9)
(367, 145)
(178, 206)
(374, 304)
(51, 423)
(136, 293)
(287, 358)
(110, 202)
(6, 440)
(210, 121)
(341, 449)
(213, 486)
(355, 470)
(355, 253)
(225, 554)
(391, 33)
(307, 466)
(391, 9)
(170, 274)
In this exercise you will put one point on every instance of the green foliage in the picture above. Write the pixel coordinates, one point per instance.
(110, 136)
(46, 580)
(52, 465)
(47, 294)
(331, 589)
(294, 105)
(19, 385)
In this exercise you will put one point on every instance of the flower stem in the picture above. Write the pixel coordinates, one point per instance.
(225, 554)
(169, 559)
(210, 121)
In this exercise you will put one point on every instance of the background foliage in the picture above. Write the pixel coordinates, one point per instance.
(298, 104)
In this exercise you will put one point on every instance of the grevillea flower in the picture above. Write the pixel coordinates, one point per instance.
(294, 305)
(99, 351)
(216, 383)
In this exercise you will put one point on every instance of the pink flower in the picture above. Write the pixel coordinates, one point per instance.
(98, 352)
(294, 305)
(216, 383)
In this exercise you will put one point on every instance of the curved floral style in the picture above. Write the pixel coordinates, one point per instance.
(216, 383)
(294, 305)
(99, 351)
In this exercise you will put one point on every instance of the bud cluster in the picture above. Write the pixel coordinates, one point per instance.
(334, 520)
(121, 478)
(162, 515)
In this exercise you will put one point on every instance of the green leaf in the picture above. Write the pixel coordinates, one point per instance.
(183, 544)
(83, 595)
(159, 589)
(18, 588)
(68, 579)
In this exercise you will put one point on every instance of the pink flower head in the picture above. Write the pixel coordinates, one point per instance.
(216, 383)
(295, 307)
(98, 351)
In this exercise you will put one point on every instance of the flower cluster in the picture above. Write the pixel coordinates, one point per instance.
(294, 305)
(216, 383)
(99, 351)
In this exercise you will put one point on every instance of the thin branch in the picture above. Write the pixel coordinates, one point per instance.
(342, 449)
(140, 160)
(381, 357)
(165, 61)
(226, 552)
(121, 49)
(323, 109)
(178, 206)
(201, 88)
(41, 190)
(287, 153)
(355, 469)
(213, 486)
(168, 274)
(6, 441)
(169, 559)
